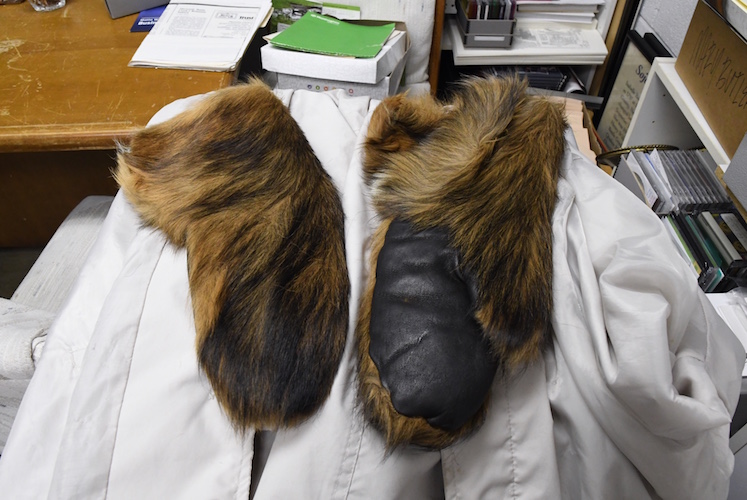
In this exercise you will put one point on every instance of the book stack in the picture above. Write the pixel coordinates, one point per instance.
(580, 13)
(322, 53)
(702, 220)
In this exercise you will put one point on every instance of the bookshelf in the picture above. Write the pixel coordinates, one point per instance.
(585, 46)
(667, 114)
(582, 48)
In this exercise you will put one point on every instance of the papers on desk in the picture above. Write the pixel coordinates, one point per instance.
(209, 35)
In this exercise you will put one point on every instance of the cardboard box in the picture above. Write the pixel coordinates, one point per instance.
(389, 85)
(341, 69)
(121, 8)
(713, 66)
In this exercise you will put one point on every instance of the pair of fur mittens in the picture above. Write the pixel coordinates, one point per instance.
(461, 264)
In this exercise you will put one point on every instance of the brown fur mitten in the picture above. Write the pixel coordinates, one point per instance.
(235, 182)
(474, 180)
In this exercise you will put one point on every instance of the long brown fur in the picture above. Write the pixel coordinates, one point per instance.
(484, 165)
(234, 181)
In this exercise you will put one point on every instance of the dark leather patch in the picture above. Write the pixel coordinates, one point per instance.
(430, 351)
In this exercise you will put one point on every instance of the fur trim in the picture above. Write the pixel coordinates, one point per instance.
(235, 182)
(485, 166)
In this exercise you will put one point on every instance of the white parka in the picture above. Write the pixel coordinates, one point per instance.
(632, 401)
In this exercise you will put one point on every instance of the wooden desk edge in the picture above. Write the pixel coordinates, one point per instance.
(66, 141)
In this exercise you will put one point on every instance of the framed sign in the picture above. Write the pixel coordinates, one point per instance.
(623, 98)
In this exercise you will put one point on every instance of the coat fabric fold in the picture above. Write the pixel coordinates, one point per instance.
(632, 400)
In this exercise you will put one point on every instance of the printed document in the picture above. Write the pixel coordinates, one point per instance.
(209, 35)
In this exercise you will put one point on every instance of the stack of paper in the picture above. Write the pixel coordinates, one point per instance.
(581, 13)
(322, 53)
(209, 35)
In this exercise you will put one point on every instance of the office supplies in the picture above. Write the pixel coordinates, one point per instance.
(210, 35)
(147, 19)
(484, 23)
(320, 34)
(286, 12)
(369, 70)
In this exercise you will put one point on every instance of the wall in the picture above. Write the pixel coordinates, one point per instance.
(668, 19)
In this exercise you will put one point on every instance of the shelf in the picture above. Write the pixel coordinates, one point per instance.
(667, 114)
(533, 44)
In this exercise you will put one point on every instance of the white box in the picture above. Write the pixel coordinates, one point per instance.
(342, 69)
(389, 85)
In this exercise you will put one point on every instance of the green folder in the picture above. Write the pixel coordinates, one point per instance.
(326, 35)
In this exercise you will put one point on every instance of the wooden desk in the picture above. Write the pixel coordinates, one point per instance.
(65, 87)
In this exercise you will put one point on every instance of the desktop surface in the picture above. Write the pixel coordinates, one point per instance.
(65, 83)
(66, 96)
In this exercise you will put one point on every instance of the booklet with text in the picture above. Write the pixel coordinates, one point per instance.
(210, 35)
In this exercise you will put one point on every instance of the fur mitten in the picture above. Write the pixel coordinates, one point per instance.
(235, 182)
(460, 284)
